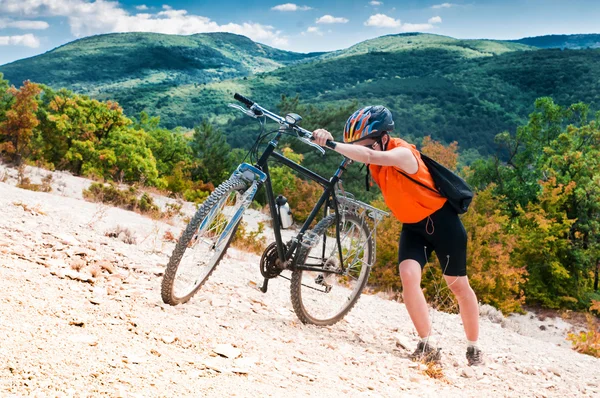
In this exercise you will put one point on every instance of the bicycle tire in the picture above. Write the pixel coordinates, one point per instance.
(299, 279)
(219, 196)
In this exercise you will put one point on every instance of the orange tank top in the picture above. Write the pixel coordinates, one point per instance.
(408, 201)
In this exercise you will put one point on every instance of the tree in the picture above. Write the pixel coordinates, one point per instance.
(495, 277)
(171, 148)
(5, 98)
(16, 131)
(446, 156)
(551, 183)
(211, 150)
(68, 120)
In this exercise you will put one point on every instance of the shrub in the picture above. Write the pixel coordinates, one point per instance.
(123, 198)
(587, 342)
(250, 241)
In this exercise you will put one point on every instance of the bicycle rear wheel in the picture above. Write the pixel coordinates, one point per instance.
(324, 298)
(204, 242)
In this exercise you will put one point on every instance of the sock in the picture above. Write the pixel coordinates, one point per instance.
(427, 340)
(472, 344)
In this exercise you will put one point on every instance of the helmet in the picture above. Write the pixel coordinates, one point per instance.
(368, 122)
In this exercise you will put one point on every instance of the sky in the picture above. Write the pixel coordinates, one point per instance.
(32, 27)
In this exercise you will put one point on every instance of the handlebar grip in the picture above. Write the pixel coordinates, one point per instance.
(243, 100)
(331, 144)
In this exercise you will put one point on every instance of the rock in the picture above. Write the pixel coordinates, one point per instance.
(168, 339)
(134, 358)
(157, 271)
(214, 365)
(468, 373)
(227, 350)
(67, 240)
(554, 370)
(304, 373)
(99, 295)
(216, 302)
(106, 265)
(79, 276)
(402, 342)
(303, 359)
(245, 363)
(84, 338)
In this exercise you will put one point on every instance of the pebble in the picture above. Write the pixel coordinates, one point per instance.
(227, 350)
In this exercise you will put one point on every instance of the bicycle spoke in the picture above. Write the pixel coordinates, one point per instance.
(324, 297)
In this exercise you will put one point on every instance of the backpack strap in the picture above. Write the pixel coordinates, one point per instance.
(417, 182)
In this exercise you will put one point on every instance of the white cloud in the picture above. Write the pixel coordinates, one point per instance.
(416, 27)
(382, 21)
(291, 7)
(142, 7)
(443, 5)
(103, 16)
(314, 30)
(375, 3)
(331, 19)
(27, 40)
(32, 25)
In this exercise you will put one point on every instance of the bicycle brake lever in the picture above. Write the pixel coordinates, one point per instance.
(317, 146)
(244, 110)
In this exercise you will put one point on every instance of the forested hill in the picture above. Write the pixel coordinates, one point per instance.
(574, 42)
(463, 90)
(110, 62)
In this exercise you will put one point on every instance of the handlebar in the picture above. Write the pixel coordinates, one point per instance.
(243, 100)
(257, 110)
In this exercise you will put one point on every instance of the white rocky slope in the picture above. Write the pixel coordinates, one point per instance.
(103, 330)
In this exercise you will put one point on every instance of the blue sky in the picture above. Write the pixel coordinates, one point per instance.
(31, 27)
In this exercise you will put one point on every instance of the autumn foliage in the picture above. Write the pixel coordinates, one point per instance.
(17, 130)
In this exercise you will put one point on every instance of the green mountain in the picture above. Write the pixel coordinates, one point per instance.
(463, 90)
(126, 61)
(573, 42)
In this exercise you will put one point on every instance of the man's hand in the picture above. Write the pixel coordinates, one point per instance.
(321, 136)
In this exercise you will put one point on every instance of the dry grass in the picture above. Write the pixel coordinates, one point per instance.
(169, 237)
(123, 234)
(435, 371)
(35, 210)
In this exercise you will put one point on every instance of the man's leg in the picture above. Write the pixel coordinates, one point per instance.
(467, 302)
(416, 305)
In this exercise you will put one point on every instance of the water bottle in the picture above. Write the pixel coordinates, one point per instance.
(285, 214)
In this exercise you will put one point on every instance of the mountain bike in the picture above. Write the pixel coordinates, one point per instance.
(329, 264)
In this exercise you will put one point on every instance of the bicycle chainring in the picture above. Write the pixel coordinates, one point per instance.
(270, 266)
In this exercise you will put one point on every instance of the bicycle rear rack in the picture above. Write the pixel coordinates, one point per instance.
(367, 213)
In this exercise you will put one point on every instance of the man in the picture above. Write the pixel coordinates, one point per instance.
(429, 222)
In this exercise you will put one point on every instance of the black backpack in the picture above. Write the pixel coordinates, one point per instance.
(448, 184)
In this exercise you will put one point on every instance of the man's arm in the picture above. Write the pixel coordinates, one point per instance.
(402, 158)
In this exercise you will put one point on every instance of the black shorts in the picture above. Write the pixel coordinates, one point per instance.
(443, 232)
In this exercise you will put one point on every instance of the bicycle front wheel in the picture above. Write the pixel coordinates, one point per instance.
(204, 242)
(324, 298)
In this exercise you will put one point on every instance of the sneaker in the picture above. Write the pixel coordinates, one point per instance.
(474, 356)
(426, 353)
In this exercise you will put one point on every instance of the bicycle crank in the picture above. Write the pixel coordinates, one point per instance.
(270, 265)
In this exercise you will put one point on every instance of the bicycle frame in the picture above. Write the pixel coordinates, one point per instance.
(328, 194)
